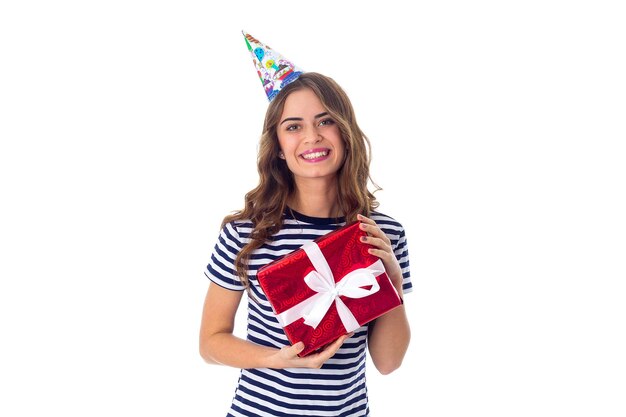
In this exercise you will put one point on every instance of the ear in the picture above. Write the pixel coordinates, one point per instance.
(281, 155)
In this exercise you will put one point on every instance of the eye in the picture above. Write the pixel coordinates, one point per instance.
(292, 127)
(326, 122)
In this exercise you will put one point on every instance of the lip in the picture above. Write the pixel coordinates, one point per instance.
(310, 151)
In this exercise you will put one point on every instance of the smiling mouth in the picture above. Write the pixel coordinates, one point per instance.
(315, 154)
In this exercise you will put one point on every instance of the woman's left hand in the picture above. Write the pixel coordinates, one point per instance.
(382, 249)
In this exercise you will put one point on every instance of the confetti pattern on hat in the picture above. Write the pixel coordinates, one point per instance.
(273, 69)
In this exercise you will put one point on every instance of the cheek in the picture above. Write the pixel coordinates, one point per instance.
(340, 144)
(282, 142)
(288, 142)
(337, 137)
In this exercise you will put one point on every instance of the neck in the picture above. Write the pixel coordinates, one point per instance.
(316, 199)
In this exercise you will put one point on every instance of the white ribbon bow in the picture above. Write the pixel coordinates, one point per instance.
(322, 281)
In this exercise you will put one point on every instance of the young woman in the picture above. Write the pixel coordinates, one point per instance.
(313, 165)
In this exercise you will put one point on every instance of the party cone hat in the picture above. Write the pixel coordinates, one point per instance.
(274, 70)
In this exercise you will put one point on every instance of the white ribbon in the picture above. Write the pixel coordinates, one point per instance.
(322, 281)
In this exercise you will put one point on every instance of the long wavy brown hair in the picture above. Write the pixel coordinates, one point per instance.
(266, 203)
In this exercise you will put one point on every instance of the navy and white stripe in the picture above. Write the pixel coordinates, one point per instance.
(338, 388)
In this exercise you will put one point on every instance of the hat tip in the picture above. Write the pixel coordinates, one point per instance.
(274, 70)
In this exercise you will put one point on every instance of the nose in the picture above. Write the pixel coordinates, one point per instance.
(312, 135)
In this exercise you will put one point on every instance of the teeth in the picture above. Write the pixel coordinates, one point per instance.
(314, 155)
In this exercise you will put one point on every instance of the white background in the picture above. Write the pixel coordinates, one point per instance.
(129, 129)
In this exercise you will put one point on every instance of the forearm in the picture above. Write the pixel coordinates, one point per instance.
(389, 338)
(227, 349)
(218, 344)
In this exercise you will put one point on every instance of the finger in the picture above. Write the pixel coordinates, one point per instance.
(293, 351)
(364, 219)
(318, 359)
(374, 230)
(382, 254)
(377, 242)
(330, 350)
(334, 346)
(340, 341)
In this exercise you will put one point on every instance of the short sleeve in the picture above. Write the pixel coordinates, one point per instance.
(401, 250)
(221, 267)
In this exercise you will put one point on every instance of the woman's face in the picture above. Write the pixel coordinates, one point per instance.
(309, 139)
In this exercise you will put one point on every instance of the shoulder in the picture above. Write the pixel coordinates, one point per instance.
(395, 232)
(238, 230)
(387, 223)
(392, 228)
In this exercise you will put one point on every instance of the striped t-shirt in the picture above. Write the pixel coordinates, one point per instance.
(336, 389)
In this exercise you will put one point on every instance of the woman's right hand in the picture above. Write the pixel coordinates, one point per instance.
(287, 357)
(218, 345)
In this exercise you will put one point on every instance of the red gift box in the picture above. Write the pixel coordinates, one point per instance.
(327, 288)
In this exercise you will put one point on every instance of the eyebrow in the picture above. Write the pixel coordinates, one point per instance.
(317, 116)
